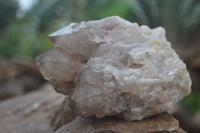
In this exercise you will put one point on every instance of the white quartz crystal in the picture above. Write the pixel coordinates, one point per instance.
(115, 67)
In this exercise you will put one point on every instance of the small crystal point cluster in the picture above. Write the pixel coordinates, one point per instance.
(115, 67)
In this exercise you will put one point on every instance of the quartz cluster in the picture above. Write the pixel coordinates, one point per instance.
(115, 67)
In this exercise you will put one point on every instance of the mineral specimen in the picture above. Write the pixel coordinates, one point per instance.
(114, 67)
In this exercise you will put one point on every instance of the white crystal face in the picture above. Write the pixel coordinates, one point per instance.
(114, 67)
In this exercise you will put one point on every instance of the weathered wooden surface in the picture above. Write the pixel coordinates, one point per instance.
(30, 113)
(163, 123)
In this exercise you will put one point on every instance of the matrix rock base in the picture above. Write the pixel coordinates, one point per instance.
(162, 123)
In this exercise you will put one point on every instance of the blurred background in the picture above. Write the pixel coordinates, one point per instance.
(25, 25)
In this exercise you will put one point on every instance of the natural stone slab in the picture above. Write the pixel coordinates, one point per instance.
(30, 113)
(115, 67)
(163, 123)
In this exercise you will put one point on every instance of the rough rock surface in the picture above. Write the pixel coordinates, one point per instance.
(162, 123)
(114, 67)
(63, 116)
(33, 113)
(30, 113)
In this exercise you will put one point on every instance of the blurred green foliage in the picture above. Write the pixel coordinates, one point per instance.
(179, 17)
(27, 35)
(192, 102)
(8, 10)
